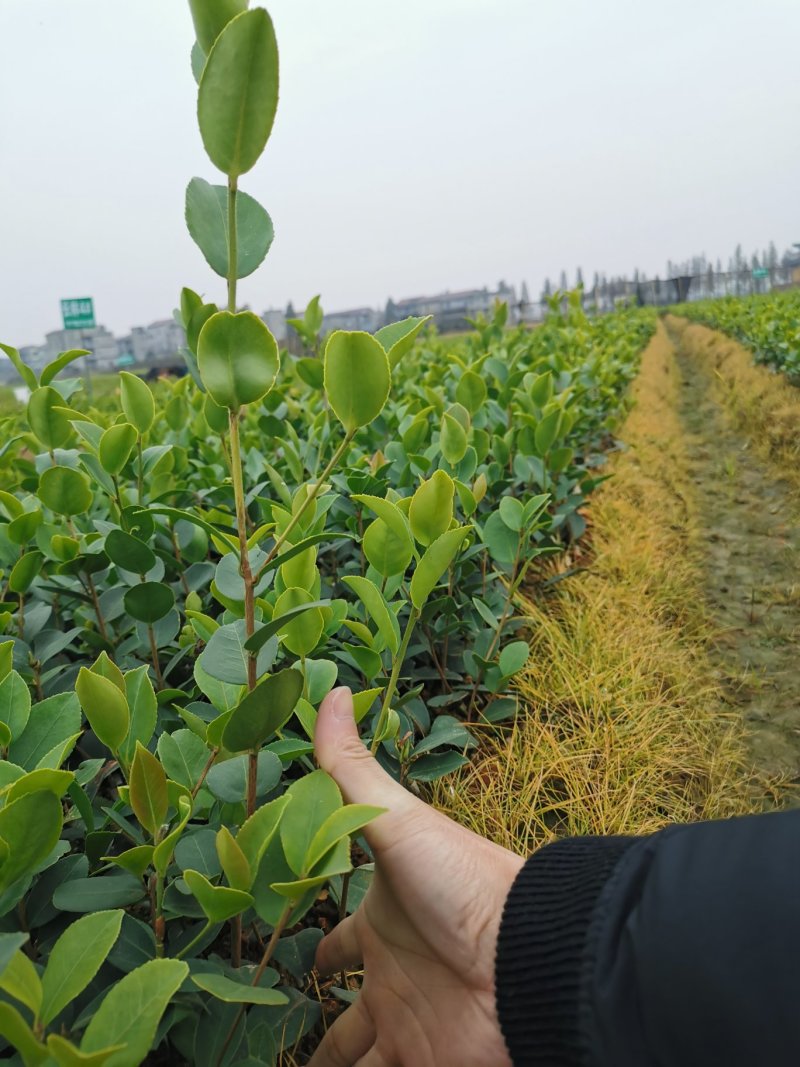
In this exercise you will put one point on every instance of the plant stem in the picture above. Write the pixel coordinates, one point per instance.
(151, 634)
(392, 686)
(310, 498)
(101, 622)
(140, 479)
(233, 254)
(273, 941)
(206, 769)
(236, 941)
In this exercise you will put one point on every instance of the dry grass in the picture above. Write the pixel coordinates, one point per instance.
(761, 401)
(621, 731)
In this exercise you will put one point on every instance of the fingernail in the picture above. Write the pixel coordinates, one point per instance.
(341, 703)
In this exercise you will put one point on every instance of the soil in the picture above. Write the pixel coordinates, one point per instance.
(749, 520)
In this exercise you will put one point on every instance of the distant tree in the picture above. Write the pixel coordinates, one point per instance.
(710, 280)
(547, 289)
(524, 296)
(563, 284)
(578, 278)
(290, 313)
(771, 260)
(390, 312)
(595, 283)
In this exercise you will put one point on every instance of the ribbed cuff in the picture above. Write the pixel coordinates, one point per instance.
(541, 948)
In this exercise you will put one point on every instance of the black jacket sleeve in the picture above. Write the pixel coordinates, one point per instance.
(677, 950)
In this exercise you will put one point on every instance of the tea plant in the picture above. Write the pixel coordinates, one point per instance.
(767, 324)
(188, 570)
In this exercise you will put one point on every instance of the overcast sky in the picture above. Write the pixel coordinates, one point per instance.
(419, 146)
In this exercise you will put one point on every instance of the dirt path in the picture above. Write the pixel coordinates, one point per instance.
(751, 543)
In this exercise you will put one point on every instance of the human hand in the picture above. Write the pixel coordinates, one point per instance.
(426, 932)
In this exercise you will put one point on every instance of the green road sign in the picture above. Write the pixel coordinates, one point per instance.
(78, 313)
(760, 272)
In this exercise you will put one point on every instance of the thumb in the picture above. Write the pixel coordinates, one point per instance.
(342, 753)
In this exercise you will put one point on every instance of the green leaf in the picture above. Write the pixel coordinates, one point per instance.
(389, 512)
(514, 657)
(60, 362)
(228, 780)
(98, 893)
(137, 401)
(237, 992)
(116, 446)
(130, 1013)
(65, 491)
(24, 572)
(434, 563)
(210, 18)
(104, 706)
(149, 601)
(436, 765)
(134, 860)
(52, 721)
(342, 823)
(357, 377)
(398, 338)
(148, 790)
(511, 512)
(76, 958)
(51, 427)
(337, 861)
(30, 828)
(238, 358)
(225, 657)
(164, 850)
(6, 659)
(15, 704)
(234, 862)
(431, 510)
(263, 711)
(14, 1028)
(502, 542)
(372, 599)
(314, 797)
(258, 831)
(128, 552)
(238, 93)
(547, 432)
(218, 902)
(22, 369)
(20, 979)
(183, 756)
(207, 221)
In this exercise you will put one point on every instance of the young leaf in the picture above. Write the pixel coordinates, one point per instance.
(15, 1030)
(303, 630)
(104, 706)
(342, 823)
(452, 439)
(20, 979)
(237, 992)
(378, 609)
(137, 401)
(218, 902)
(357, 377)
(76, 958)
(60, 362)
(131, 1011)
(258, 831)
(148, 790)
(263, 711)
(398, 337)
(238, 357)
(51, 427)
(68, 1055)
(234, 862)
(24, 572)
(434, 563)
(431, 510)
(210, 17)
(238, 94)
(314, 798)
(15, 704)
(30, 828)
(22, 369)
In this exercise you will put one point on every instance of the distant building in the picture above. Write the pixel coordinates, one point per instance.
(452, 310)
(355, 319)
(275, 319)
(98, 340)
(160, 342)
